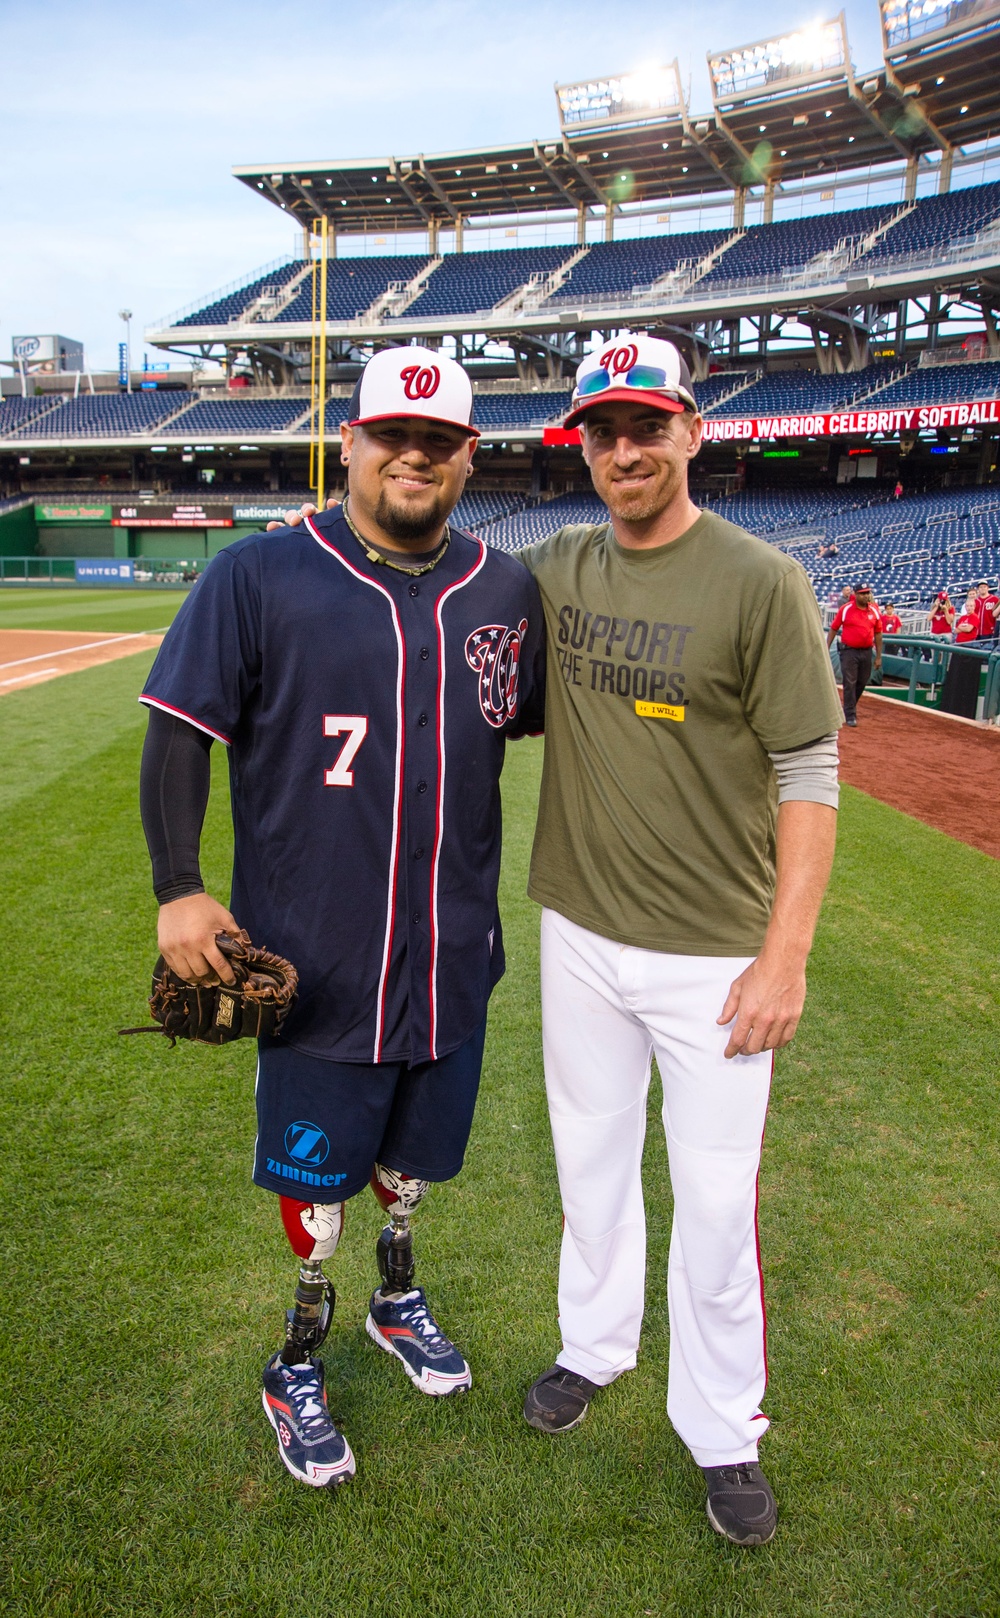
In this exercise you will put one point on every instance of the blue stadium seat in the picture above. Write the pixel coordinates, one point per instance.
(936, 222)
(105, 415)
(612, 267)
(789, 244)
(353, 284)
(464, 283)
(235, 415)
(222, 310)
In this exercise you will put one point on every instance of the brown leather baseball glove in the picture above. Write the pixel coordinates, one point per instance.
(215, 1013)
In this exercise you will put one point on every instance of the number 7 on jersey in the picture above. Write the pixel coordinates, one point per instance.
(334, 724)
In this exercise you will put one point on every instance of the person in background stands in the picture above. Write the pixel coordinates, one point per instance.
(967, 626)
(892, 623)
(942, 614)
(987, 609)
(860, 628)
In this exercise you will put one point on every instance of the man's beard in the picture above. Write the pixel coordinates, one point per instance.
(408, 527)
(640, 505)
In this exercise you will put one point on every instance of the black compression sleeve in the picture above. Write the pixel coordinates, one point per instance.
(173, 795)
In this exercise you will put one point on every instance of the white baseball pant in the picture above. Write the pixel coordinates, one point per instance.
(606, 1008)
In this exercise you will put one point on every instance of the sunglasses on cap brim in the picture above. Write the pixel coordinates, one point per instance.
(651, 377)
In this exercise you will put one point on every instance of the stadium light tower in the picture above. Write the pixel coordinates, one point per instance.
(645, 95)
(126, 315)
(810, 55)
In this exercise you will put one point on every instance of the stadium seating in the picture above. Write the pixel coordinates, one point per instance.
(236, 415)
(464, 283)
(909, 549)
(617, 267)
(230, 307)
(15, 412)
(526, 527)
(478, 509)
(519, 409)
(104, 415)
(942, 384)
(723, 383)
(352, 285)
(793, 392)
(789, 244)
(936, 222)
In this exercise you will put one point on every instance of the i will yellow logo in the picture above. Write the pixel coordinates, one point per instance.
(659, 710)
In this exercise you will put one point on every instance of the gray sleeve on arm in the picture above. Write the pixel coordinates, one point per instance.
(809, 774)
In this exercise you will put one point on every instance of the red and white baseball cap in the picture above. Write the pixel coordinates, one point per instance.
(412, 382)
(634, 369)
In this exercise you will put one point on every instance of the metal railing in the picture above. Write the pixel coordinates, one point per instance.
(928, 659)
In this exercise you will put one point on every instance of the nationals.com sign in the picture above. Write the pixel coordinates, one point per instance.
(839, 423)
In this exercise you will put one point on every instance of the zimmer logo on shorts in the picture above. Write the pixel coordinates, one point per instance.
(306, 1145)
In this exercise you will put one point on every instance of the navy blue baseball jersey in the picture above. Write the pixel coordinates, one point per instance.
(366, 713)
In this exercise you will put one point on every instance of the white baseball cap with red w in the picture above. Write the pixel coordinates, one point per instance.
(632, 369)
(412, 382)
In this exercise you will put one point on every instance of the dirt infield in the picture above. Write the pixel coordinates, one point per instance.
(32, 656)
(943, 771)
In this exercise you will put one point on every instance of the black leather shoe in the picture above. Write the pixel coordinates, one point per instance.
(740, 1504)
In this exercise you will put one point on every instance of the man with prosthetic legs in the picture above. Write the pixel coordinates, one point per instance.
(364, 672)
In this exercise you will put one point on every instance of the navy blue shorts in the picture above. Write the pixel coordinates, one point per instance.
(322, 1126)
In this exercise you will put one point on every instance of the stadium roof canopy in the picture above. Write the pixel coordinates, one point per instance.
(784, 109)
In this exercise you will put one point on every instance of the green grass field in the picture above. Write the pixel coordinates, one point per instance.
(145, 1277)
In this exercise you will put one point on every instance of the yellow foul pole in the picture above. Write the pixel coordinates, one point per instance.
(314, 279)
(321, 425)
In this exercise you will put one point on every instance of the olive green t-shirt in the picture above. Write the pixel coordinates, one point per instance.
(672, 674)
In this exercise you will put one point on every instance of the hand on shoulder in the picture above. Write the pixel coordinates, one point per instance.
(294, 518)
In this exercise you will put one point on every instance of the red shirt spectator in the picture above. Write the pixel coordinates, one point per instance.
(942, 615)
(987, 610)
(967, 627)
(858, 624)
(892, 623)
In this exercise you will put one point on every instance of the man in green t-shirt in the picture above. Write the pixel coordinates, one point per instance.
(685, 836)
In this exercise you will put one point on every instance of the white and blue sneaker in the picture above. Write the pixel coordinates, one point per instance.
(294, 1400)
(404, 1326)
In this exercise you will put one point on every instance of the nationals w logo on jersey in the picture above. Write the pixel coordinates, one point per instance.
(495, 652)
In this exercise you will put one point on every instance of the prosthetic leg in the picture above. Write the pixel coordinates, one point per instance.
(398, 1195)
(294, 1386)
(399, 1320)
(314, 1229)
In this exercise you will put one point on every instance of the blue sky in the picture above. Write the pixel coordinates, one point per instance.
(119, 122)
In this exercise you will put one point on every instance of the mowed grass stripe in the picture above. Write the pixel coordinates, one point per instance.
(87, 610)
(146, 1277)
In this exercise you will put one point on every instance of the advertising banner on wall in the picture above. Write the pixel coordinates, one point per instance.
(261, 511)
(72, 511)
(188, 515)
(108, 572)
(844, 423)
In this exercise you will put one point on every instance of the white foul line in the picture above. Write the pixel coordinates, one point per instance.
(36, 674)
(67, 651)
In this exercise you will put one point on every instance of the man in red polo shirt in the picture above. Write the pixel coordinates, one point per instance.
(860, 627)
